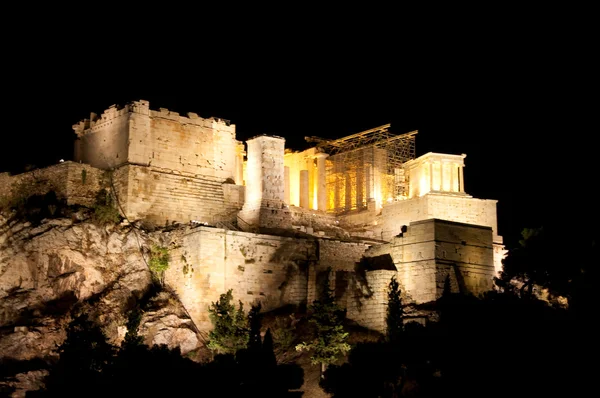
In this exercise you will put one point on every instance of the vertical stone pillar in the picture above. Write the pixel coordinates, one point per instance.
(321, 181)
(265, 188)
(286, 177)
(452, 172)
(461, 179)
(379, 161)
(359, 186)
(368, 184)
(337, 186)
(441, 175)
(304, 189)
(430, 176)
(239, 164)
(348, 191)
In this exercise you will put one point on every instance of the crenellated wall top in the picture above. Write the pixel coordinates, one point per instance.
(142, 107)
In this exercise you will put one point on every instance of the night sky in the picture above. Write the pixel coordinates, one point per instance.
(513, 96)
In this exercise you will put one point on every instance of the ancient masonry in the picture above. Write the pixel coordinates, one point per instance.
(270, 221)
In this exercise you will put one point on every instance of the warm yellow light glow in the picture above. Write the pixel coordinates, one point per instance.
(423, 185)
(436, 177)
(315, 197)
(446, 176)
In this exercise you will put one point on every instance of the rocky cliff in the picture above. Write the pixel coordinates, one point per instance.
(50, 270)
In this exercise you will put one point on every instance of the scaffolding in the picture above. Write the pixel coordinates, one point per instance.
(366, 167)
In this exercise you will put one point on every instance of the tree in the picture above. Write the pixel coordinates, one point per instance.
(230, 326)
(394, 313)
(85, 361)
(254, 327)
(545, 259)
(330, 340)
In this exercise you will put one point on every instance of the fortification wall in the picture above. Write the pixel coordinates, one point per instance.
(138, 135)
(269, 269)
(76, 182)
(276, 271)
(343, 258)
(369, 308)
(162, 196)
(395, 215)
(414, 256)
(467, 252)
(104, 142)
(340, 256)
(432, 250)
(190, 144)
(462, 209)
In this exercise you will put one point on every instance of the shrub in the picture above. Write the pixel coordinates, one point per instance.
(105, 211)
(231, 332)
(284, 332)
(159, 261)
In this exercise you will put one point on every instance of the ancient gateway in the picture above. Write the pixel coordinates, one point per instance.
(268, 222)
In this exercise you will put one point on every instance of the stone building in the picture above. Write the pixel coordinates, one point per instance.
(274, 220)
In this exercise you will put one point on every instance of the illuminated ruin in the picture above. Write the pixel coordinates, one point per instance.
(275, 219)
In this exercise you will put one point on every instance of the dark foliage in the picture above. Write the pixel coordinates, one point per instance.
(85, 358)
(33, 207)
(330, 338)
(89, 366)
(394, 313)
(508, 346)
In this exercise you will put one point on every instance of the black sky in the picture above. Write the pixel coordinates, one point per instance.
(513, 93)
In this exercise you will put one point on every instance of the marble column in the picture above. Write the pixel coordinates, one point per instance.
(430, 176)
(321, 181)
(304, 189)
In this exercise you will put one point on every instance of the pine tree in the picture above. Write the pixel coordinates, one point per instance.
(254, 327)
(230, 326)
(330, 341)
(394, 312)
(84, 364)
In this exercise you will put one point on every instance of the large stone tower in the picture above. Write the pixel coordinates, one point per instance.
(264, 206)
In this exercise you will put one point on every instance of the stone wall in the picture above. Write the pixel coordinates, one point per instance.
(358, 218)
(340, 256)
(161, 196)
(190, 144)
(137, 135)
(103, 142)
(76, 182)
(463, 209)
(343, 258)
(432, 250)
(206, 262)
(369, 308)
(315, 222)
(466, 251)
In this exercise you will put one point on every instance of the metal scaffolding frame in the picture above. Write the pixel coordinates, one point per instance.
(366, 166)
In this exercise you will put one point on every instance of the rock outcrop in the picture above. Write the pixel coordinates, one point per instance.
(48, 271)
